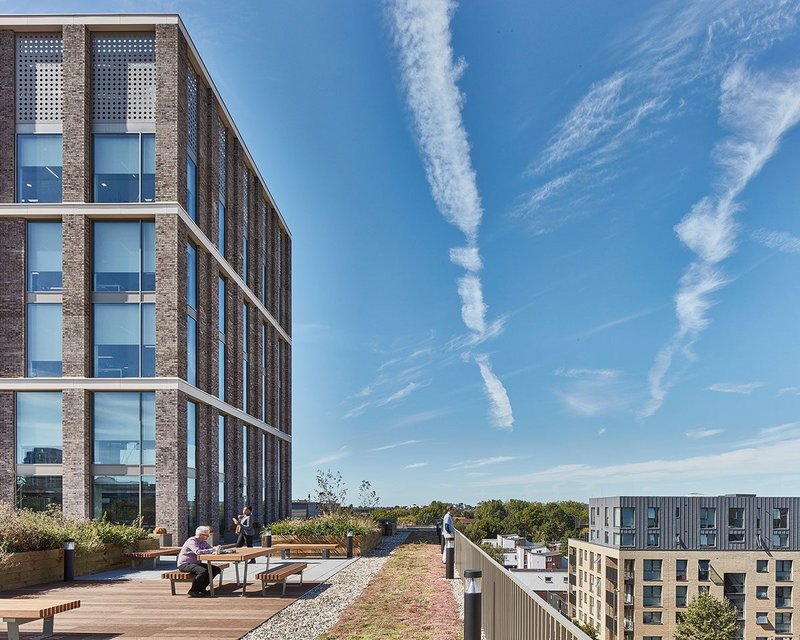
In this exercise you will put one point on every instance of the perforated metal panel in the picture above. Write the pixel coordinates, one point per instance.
(123, 77)
(223, 165)
(246, 194)
(191, 99)
(39, 78)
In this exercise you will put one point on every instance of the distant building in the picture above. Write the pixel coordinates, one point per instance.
(647, 557)
(305, 509)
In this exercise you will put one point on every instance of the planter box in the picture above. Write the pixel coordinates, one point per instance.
(39, 567)
(361, 544)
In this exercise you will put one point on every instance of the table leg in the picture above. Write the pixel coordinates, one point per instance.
(244, 582)
(210, 578)
(13, 628)
(236, 567)
(47, 629)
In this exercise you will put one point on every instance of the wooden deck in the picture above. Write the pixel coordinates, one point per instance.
(145, 609)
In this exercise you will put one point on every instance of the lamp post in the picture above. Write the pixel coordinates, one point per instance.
(472, 605)
(69, 561)
(349, 544)
(268, 538)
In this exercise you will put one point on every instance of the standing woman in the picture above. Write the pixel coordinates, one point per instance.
(245, 528)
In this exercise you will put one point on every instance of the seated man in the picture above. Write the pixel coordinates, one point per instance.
(190, 562)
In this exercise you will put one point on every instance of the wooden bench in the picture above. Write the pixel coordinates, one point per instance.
(185, 576)
(151, 554)
(280, 574)
(325, 548)
(19, 611)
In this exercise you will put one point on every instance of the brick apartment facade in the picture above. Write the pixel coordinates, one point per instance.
(207, 233)
(648, 556)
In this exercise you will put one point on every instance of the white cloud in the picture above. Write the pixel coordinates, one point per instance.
(500, 412)
(758, 109)
(419, 417)
(587, 373)
(699, 434)
(429, 73)
(601, 432)
(341, 453)
(789, 390)
(481, 462)
(357, 410)
(780, 240)
(466, 257)
(591, 392)
(402, 393)
(745, 388)
(416, 465)
(386, 447)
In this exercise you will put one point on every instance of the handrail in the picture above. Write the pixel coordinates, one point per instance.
(509, 609)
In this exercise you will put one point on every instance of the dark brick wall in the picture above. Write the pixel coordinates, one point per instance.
(76, 295)
(8, 115)
(12, 297)
(8, 468)
(76, 114)
(77, 458)
(204, 201)
(172, 510)
(171, 240)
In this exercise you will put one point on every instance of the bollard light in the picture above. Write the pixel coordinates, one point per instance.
(268, 538)
(449, 558)
(472, 604)
(69, 560)
(349, 544)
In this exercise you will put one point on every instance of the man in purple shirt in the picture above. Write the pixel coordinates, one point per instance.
(189, 561)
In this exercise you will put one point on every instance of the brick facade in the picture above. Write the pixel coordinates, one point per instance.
(171, 237)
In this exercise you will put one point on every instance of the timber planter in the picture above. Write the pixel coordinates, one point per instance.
(38, 567)
(361, 544)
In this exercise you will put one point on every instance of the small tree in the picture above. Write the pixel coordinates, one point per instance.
(367, 496)
(588, 629)
(331, 491)
(707, 618)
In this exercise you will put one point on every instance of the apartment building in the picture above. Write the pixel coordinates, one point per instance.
(647, 557)
(145, 289)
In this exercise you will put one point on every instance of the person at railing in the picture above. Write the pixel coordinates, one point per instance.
(448, 529)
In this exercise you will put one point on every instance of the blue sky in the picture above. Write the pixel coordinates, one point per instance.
(541, 250)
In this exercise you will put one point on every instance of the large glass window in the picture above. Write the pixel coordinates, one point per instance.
(708, 517)
(191, 463)
(245, 480)
(221, 471)
(780, 518)
(39, 167)
(221, 228)
(124, 428)
(651, 596)
(652, 569)
(736, 517)
(263, 372)
(39, 434)
(124, 340)
(125, 499)
(625, 517)
(681, 596)
(783, 597)
(124, 256)
(191, 188)
(124, 167)
(191, 314)
(783, 570)
(245, 385)
(783, 622)
(681, 574)
(38, 492)
(44, 256)
(221, 340)
(652, 517)
(43, 340)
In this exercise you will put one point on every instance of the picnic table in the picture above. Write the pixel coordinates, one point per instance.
(240, 554)
(151, 554)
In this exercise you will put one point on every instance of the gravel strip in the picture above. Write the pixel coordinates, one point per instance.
(316, 611)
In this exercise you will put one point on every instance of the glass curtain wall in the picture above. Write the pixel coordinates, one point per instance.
(123, 456)
(221, 313)
(39, 159)
(43, 277)
(221, 451)
(191, 314)
(39, 442)
(191, 465)
(245, 386)
(245, 480)
(124, 299)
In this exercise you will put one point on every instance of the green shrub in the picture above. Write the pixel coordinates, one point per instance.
(25, 530)
(332, 525)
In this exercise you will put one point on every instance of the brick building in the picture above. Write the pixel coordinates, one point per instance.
(145, 288)
(648, 556)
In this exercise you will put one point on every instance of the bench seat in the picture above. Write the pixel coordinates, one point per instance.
(279, 575)
(18, 611)
(151, 554)
(324, 547)
(185, 576)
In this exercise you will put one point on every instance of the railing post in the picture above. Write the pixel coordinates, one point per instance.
(472, 605)
(449, 558)
(69, 561)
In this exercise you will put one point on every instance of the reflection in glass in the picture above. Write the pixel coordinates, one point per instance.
(191, 350)
(116, 167)
(191, 275)
(124, 428)
(38, 492)
(124, 498)
(39, 439)
(44, 256)
(148, 340)
(116, 340)
(43, 340)
(221, 471)
(148, 167)
(39, 167)
(116, 256)
(148, 255)
(191, 188)
(221, 228)
(221, 370)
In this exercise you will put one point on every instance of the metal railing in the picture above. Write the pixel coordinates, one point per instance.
(510, 610)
